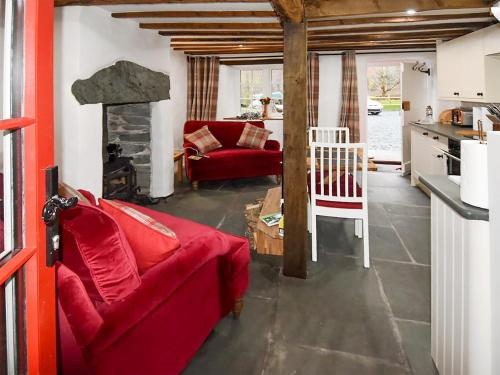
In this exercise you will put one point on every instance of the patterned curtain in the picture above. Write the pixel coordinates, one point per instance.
(203, 84)
(349, 115)
(312, 89)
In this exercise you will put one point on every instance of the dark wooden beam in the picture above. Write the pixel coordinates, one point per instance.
(60, 3)
(221, 32)
(321, 8)
(398, 19)
(289, 10)
(211, 25)
(279, 49)
(436, 35)
(196, 14)
(296, 243)
(403, 27)
(253, 62)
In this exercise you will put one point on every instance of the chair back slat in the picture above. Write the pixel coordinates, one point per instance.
(328, 135)
(334, 169)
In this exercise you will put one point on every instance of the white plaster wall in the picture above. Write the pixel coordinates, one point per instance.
(87, 39)
(228, 99)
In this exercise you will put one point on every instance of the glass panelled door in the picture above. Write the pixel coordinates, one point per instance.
(27, 282)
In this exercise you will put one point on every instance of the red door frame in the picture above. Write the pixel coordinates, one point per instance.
(38, 155)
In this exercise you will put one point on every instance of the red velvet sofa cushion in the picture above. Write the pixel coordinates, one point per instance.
(81, 313)
(150, 240)
(98, 253)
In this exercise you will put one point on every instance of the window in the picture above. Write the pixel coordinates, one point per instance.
(260, 83)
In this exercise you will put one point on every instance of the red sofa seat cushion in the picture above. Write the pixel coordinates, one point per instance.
(337, 204)
(104, 260)
(82, 315)
(151, 241)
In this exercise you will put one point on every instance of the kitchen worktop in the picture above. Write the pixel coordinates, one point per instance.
(445, 130)
(449, 192)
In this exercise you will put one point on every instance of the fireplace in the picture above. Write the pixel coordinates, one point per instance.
(130, 95)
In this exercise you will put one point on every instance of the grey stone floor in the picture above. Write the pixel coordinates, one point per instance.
(343, 319)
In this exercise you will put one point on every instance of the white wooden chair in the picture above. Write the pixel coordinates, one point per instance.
(338, 188)
(328, 134)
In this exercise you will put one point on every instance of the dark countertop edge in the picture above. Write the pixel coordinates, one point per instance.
(449, 193)
(436, 128)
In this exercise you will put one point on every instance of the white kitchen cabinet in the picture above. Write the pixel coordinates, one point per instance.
(468, 67)
(426, 155)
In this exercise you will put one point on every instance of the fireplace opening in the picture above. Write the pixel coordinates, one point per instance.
(127, 151)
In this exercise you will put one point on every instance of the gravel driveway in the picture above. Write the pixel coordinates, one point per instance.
(384, 135)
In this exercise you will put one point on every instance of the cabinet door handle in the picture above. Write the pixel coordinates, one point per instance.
(439, 156)
(456, 93)
(425, 133)
(480, 94)
(435, 138)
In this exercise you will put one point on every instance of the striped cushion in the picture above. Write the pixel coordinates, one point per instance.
(254, 137)
(203, 139)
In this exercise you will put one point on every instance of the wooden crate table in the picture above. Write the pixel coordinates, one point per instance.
(267, 239)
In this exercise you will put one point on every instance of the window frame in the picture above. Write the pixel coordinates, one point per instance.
(267, 90)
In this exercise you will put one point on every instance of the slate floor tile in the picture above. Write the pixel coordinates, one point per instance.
(408, 288)
(416, 235)
(417, 343)
(339, 307)
(401, 195)
(404, 210)
(377, 215)
(387, 179)
(287, 358)
(237, 346)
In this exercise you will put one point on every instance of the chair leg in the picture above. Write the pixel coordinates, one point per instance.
(314, 244)
(358, 228)
(238, 306)
(366, 244)
(194, 185)
(278, 179)
(309, 221)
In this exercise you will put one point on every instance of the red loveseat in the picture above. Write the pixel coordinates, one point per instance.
(231, 161)
(159, 326)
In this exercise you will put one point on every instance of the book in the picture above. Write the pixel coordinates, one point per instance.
(271, 219)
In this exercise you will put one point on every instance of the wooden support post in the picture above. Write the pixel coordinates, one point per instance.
(295, 128)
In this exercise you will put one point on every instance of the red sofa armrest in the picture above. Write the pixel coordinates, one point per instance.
(158, 284)
(272, 145)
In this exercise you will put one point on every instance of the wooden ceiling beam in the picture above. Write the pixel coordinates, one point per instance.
(60, 3)
(211, 26)
(397, 19)
(404, 27)
(239, 51)
(337, 8)
(196, 14)
(220, 33)
(379, 36)
(289, 10)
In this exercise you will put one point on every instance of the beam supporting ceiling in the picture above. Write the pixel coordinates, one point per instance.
(196, 14)
(60, 3)
(211, 26)
(289, 10)
(337, 8)
(397, 19)
(220, 32)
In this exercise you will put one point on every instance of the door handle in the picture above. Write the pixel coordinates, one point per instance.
(53, 205)
(51, 208)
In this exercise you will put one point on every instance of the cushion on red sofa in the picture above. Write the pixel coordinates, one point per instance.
(105, 253)
(203, 139)
(82, 315)
(337, 204)
(151, 241)
(67, 191)
(253, 137)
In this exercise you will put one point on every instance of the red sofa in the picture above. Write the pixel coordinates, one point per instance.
(231, 161)
(158, 327)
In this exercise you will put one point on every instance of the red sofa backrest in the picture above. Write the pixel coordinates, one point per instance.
(227, 132)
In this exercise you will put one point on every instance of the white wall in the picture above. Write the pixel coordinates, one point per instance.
(228, 99)
(87, 39)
